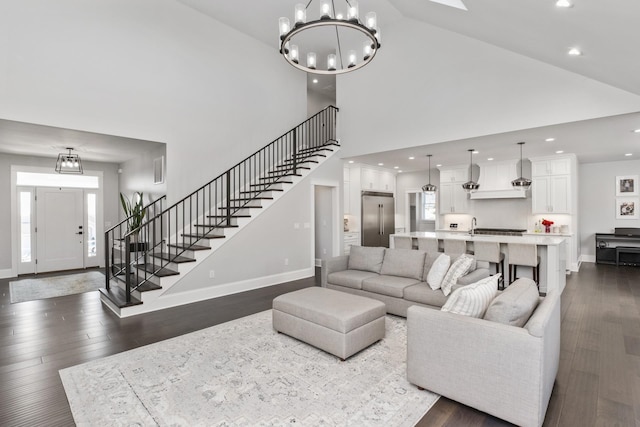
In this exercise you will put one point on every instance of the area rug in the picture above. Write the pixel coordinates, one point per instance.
(243, 373)
(50, 287)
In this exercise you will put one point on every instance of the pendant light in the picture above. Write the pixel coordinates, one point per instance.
(521, 182)
(429, 188)
(470, 185)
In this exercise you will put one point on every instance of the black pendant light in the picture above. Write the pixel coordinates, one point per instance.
(470, 185)
(429, 188)
(521, 182)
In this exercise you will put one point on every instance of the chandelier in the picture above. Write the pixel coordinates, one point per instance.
(429, 188)
(336, 34)
(521, 182)
(470, 185)
(69, 163)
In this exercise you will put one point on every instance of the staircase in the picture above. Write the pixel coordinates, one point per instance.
(142, 264)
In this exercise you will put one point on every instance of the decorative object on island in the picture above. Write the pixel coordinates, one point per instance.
(521, 182)
(626, 208)
(547, 225)
(68, 163)
(470, 185)
(429, 188)
(328, 31)
(627, 185)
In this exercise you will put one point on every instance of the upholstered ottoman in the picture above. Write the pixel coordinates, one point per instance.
(337, 322)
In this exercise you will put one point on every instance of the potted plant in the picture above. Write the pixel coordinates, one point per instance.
(135, 212)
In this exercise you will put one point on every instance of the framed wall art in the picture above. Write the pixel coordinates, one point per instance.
(627, 185)
(627, 208)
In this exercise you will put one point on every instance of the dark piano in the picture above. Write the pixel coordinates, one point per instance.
(620, 248)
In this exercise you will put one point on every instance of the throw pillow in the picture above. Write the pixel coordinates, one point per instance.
(438, 271)
(458, 268)
(366, 258)
(515, 305)
(472, 300)
(474, 262)
(429, 259)
(403, 263)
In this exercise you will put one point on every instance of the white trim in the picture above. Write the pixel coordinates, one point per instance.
(587, 258)
(318, 262)
(6, 273)
(173, 300)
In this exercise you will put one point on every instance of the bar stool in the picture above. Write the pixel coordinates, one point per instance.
(490, 252)
(428, 244)
(455, 248)
(402, 242)
(525, 255)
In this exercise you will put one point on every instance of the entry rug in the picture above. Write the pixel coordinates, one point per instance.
(58, 286)
(243, 373)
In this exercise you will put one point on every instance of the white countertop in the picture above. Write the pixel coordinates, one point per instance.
(534, 238)
(526, 233)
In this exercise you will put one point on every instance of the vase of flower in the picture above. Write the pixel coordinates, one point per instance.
(547, 225)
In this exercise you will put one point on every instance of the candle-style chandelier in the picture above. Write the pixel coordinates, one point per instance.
(336, 34)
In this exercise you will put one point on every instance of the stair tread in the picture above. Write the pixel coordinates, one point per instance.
(274, 177)
(246, 199)
(216, 226)
(178, 259)
(204, 236)
(288, 169)
(232, 216)
(163, 272)
(239, 207)
(189, 247)
(271, 183)
(119, 297)
(260, 191)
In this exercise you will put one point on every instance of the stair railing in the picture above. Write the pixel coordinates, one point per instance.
(206, 212)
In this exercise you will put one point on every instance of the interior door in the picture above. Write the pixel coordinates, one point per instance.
(59, 232)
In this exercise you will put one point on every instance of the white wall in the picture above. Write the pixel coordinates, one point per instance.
(148, 69)
(429, 85)
(597, 198)
(137, 175)
(260, 249)
(110, 194)
(325, 223)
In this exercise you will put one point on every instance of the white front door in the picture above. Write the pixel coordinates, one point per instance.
(59, 234)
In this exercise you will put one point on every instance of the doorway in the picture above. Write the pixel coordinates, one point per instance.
(420, 211)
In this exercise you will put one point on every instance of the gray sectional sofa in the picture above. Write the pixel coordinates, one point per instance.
(397, 277)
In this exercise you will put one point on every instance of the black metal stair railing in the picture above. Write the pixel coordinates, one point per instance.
(135, 257)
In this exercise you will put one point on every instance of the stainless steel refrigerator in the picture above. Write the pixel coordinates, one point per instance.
(378, 218)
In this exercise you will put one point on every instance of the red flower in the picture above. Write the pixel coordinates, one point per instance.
(546, 222)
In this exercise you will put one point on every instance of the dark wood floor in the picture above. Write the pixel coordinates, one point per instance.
(598, 382)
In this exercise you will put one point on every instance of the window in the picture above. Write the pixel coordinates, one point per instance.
(91, 225)
(428, 206)
(25, 226)
(56, 180)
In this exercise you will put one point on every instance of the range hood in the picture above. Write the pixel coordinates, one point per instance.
(495, 181)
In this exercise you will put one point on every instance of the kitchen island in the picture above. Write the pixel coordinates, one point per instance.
(551, 250)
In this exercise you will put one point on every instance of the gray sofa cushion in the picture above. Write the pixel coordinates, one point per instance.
(366, 258)
(403, 263)
(392, 286)
(423, 294)
(350, 278)
(515, 305)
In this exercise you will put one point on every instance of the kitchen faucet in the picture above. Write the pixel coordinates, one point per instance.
(474, 224)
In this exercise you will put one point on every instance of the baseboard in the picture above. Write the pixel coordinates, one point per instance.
(318, 262)
(173, 300)
(6, 273)
(588, 258)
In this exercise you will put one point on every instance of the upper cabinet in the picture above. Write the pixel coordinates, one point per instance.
(453, 199)
(376, 179)
(552, 183)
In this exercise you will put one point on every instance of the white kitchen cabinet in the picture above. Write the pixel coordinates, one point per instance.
(453, 199)
(551, 167)
(374, 179)
(551, 186)
(350, 239)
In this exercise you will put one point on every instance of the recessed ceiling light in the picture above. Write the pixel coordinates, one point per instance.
(475, 152)
(350, 161)
(574, 51)
(559, 152)
(550, 139)
(411, 158)
(396, 167)
(490, 158)
(380, 164)
(399, 171)
(629, 154)
(564, 3)
(438, 165)
(315, 80)
(636, 130)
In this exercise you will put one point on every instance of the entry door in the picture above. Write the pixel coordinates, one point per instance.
(59, 231)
